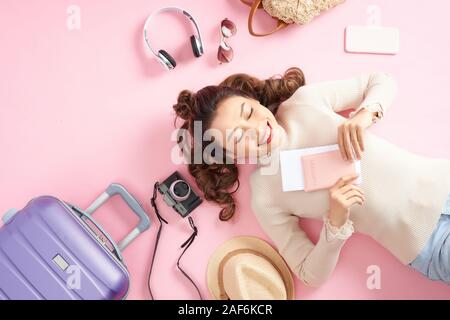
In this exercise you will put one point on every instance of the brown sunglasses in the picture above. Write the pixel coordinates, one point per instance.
(227, 30)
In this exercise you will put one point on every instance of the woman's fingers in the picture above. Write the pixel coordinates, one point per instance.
(345, 188)
(360, 135)
(344, 180)
(354, 199)
(342, 132)
(351, 140)
(341, 142)
(348, 187)
(354, 193)
(355, 142)
(348, 143)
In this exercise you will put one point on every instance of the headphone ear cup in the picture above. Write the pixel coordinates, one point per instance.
(196, 47)
(169, 58)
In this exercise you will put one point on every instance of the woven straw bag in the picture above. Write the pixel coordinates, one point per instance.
(287, 12)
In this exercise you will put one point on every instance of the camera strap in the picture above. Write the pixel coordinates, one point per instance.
(184, 246)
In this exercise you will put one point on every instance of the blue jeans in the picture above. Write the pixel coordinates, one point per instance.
(434, 259)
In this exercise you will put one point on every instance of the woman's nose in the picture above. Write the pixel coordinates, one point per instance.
(255, 127)
(250, 124)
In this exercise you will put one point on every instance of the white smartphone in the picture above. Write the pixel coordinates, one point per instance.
(372, 39)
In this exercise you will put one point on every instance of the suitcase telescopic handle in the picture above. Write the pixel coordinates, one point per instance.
(117, 189)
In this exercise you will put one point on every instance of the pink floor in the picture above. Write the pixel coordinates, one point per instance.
(81, 109)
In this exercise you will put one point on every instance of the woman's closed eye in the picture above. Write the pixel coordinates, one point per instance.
(248, 110)
(250, 113)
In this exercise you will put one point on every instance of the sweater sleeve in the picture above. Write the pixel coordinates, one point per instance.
(312, 264)
(376, 89)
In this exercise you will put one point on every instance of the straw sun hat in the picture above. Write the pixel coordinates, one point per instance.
(248, 268)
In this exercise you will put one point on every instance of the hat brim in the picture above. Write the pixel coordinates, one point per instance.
(246, 242)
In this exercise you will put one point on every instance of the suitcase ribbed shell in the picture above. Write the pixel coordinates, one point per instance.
(48, 252)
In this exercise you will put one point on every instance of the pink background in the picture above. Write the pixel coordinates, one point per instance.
(81, 109)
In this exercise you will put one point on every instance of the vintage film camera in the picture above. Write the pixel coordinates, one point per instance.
(179, 195)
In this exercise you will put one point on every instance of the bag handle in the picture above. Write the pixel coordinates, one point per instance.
(117, 189)
(115, 249)
(257, 4)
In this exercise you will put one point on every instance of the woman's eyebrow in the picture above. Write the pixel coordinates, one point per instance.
(240, 115)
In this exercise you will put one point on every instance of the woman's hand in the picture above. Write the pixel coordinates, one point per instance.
(351, 134)
(342, 196)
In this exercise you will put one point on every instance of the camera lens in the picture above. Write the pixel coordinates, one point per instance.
(180, 190)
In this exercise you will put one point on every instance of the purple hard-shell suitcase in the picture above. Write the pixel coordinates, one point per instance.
(54, 250)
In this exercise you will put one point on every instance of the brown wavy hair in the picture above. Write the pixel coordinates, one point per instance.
(218, 181)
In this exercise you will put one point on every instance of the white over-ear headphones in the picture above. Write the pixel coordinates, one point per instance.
(162, 56)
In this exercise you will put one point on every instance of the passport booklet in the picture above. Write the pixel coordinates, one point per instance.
(316, 168)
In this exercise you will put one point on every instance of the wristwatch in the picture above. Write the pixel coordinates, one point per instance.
(375, 108)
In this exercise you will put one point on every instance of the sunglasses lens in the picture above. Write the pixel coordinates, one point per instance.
(225, 54)
(228, 28)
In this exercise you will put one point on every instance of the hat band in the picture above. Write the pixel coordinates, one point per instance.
(223, 294)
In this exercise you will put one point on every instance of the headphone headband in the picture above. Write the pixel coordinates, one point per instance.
(173, 9)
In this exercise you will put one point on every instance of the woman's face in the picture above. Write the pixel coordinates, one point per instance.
(247, 128)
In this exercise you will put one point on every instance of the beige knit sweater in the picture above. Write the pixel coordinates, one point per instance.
(405, 192)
